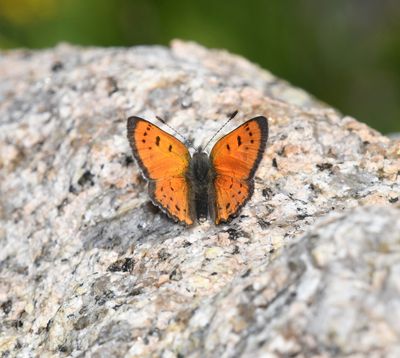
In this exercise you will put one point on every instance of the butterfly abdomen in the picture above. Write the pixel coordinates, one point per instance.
(200, 175)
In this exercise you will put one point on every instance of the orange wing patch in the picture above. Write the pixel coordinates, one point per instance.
(172, 196)
(230, 195)
(159, 154)
(235, 158)
(164, 161)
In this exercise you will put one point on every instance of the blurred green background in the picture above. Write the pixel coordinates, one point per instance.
(345, 52)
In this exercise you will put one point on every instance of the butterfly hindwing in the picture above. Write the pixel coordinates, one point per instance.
(164, 161)
(230, 195)
(235, 158)
(172, 196)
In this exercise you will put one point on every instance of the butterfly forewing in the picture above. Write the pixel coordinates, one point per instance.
(235, 158)
(164, 161)
(159, 154)
(239, 152)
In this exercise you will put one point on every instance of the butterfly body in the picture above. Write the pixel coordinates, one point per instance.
(190, 188)
(201, 176)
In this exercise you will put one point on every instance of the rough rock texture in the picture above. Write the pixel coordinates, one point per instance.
(88, 267)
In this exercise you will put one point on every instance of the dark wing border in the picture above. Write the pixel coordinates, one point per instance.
(130, 126)
(263, 123)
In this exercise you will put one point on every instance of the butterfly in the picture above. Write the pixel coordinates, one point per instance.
(189, 188)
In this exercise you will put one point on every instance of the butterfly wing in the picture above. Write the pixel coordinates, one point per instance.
(230, 195)
(172, 196)
(164, 161)
(235, 158)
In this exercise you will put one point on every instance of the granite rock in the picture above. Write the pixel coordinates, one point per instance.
(88, 267)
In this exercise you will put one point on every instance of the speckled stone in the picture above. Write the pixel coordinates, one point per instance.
(89, 268)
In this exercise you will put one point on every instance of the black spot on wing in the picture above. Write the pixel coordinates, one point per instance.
(239, 140)
(158, 140)
(170, 148)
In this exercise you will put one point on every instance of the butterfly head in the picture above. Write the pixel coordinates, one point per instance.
(199, 149)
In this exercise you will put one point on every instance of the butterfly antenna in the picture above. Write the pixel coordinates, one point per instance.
(176, 132)
(231, 116)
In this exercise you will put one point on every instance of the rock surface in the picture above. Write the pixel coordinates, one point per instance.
(88, 267)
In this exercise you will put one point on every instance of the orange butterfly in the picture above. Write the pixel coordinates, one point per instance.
(189, 188)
